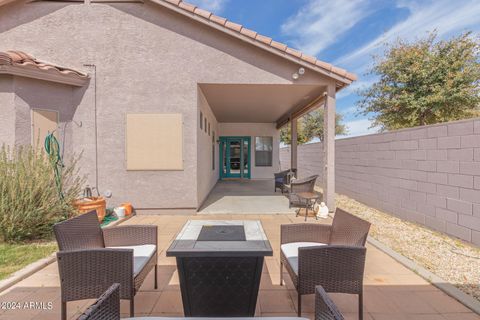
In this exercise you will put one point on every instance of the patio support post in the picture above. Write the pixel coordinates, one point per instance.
(329, 149)
(293, 143)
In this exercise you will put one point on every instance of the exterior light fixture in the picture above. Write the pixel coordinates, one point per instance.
(301, 71)
(295, 76)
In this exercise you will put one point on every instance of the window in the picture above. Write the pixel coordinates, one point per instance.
(201, 120)
(154, 141)
(209, 129)
(205, 127)
(263, 151)
(43, 123)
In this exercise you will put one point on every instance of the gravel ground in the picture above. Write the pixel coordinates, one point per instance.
(450, 258)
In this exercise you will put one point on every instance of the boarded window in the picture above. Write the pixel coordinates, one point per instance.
(263, 151)
(43, 123)
(154, 142)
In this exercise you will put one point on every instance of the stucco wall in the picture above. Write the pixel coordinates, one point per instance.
(206, 176)
(430, 175)
(256, 130)
(148, 60)
(7, 111)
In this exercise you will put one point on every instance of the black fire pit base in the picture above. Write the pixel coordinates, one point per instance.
(219, 286)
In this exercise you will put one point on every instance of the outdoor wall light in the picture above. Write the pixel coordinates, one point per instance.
(300, 72)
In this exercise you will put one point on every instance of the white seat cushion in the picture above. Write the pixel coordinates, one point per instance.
(141, 255)
(290, 251)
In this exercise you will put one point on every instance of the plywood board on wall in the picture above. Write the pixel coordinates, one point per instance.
(154, 141)
(43, 122)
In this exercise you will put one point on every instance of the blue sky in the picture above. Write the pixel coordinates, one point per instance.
(347, 33)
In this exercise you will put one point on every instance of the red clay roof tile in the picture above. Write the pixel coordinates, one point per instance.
(217, 19)
(23, 60)
(278, 45)
(263, 39)
(204, 13)
(249, 33)
(233, 26)
(187, 6)
(293, 52)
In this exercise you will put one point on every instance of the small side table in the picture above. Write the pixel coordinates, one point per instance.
(310, 200)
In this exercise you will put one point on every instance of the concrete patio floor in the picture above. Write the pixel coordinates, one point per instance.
(392, 292)
(245, 197)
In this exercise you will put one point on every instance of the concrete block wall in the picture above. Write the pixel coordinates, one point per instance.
(309, 160)
(430, 175)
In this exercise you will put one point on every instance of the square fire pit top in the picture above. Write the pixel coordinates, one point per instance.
(221, 238)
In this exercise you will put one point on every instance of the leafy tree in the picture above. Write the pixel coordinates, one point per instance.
(310, 126)
(313, 123)
(285, 133)
(424, 82)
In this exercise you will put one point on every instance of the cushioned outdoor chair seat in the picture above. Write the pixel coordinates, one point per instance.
(290, 251)
(141, 255)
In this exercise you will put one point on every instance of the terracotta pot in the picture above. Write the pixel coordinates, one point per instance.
(128, 208)
(90, 204)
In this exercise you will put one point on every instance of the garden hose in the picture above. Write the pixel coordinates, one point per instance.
(52, 148)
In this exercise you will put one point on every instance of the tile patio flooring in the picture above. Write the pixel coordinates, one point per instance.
(392, 292)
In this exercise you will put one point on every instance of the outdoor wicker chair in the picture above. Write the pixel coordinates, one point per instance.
(332, 256)
(325, 308)
(91, 259)
(282, 178)
(300, 185)
(107, 307)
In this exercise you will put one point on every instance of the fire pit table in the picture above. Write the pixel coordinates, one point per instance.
(219, 266)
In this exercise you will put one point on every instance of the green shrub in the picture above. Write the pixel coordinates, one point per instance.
(30, 202)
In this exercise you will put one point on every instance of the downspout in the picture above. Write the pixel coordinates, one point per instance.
(95, 122)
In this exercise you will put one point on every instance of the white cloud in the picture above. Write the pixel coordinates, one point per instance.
(215, 6)
(444, 16)
(359, 127)
(319, 23)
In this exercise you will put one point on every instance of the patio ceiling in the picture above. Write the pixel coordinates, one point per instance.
(260, 103)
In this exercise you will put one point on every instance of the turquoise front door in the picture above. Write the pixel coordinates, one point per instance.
(235, 157)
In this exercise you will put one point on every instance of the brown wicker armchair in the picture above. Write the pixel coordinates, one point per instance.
(300, 185)
(332, 256)
(282, 178)
(107, 307)
(325, 309)
(91, 259)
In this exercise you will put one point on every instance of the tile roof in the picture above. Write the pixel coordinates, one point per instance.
(312, 62)
(22, 60)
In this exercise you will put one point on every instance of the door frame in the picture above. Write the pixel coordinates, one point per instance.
(225, 139)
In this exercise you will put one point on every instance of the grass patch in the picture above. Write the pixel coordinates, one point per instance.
(14, 257)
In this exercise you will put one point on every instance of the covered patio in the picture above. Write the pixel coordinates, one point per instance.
(245, 197)
(247, 111)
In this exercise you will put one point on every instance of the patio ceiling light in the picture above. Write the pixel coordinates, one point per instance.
(301, 71)
(295, 76)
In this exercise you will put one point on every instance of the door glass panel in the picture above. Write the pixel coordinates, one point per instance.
(246, 165)
(224, 158)
(235, 157)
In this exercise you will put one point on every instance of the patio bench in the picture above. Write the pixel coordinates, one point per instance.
(91, 259)
(282, 179)
(332, 256)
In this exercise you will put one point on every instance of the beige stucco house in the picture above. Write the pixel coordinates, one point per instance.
(163, 98)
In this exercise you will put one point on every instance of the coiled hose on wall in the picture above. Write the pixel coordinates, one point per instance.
(52, 147)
